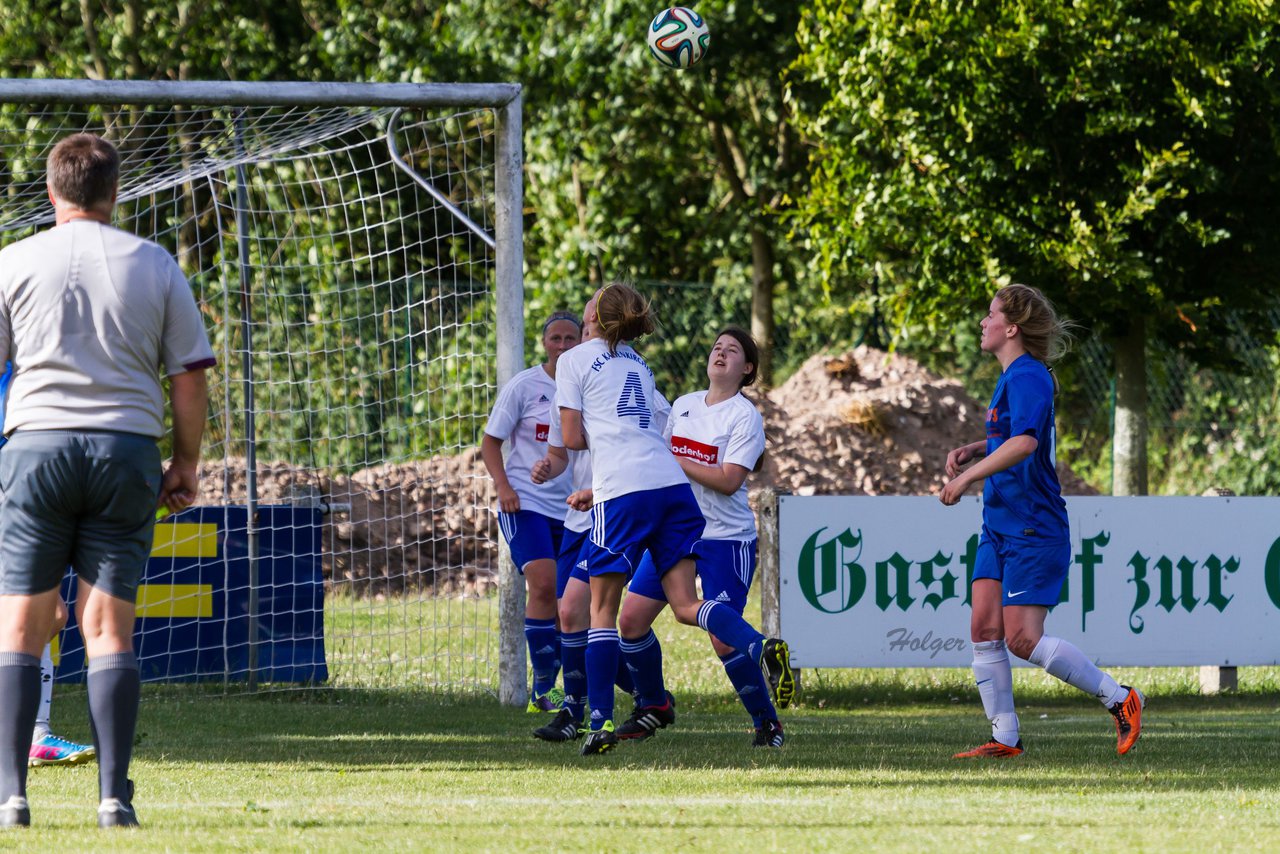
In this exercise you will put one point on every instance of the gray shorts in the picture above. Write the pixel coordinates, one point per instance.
(75, 498)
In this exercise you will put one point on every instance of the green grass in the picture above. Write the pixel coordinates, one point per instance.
(867, 764)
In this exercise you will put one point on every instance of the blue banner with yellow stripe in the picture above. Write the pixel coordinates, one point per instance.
(193, 600)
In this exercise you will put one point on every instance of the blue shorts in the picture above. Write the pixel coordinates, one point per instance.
(1031, 570)
(572, 560)
(531, 536)
(666, 522)
(725, 568)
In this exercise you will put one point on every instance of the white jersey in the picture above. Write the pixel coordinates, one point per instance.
(732, 431)
(622, 413)
(521, 417)
(579, 471)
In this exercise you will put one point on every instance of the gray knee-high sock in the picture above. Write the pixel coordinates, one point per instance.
(20, 690)
(114, 690)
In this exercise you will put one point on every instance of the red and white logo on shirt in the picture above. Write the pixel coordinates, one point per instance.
(540, 432)
(682, 447)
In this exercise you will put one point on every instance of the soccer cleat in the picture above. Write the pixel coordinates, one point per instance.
(769, 734)
(15, 812)
(113, 812)
(775, 658)
(52, 750)
(1128, 715)
(992, 750)
(548, 702)
(645, 721)
(562, 728)
(600, 740)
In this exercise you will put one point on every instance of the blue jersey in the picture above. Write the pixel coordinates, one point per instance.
(1026, 499)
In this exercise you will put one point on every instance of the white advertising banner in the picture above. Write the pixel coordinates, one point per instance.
(884, 581)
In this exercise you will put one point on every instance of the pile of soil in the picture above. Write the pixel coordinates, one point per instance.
(422, 526)
(860, 423)
(870, 423)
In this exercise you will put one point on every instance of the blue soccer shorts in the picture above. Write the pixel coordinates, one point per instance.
(531, 536)
(664, 521)
(1031, 570)
(725, 569)
(572, 560)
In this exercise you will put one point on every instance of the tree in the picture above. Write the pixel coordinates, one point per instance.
(1124, 156)
(632, 169)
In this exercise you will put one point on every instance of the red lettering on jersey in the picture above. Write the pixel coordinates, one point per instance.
(682, 447)
(993, 414)
(541, 431)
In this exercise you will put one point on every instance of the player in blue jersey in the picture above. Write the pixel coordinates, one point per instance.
(47, 748)
(531, 516)
(717, 435)
(1024, 550)
(643, 501)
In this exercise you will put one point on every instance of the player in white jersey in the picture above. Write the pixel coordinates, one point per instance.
(573, 590)
(531, 515)
(717, 435)
(643, 501)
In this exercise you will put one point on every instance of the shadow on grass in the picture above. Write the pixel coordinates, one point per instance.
(863, 737)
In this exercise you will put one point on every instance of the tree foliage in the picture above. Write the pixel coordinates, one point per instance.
(1124, 156)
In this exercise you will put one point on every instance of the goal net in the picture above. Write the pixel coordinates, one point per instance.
(351, 249)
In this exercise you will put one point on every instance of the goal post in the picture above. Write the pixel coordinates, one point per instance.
(357, 250)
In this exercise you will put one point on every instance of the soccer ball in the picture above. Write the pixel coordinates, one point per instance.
(678, 37)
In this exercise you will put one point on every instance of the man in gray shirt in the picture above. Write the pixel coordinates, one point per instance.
(90, 316)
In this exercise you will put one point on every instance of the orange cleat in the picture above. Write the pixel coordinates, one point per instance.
(992, 750)
(1128, 715)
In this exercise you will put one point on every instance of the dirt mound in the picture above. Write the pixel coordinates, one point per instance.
(394, 527)
(867, 422)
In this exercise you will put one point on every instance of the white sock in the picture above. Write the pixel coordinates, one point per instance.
(994, 675)
(1064, 661)
(46, 694)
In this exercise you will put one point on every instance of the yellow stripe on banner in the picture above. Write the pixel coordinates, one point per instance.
(185, 539)
(175, 600)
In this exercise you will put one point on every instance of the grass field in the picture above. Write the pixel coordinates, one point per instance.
(867, 764)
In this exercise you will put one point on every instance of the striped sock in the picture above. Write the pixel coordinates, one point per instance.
(602, 667)
(726, 624)
(573, 654)
(753, 691)
(544, 653)
(643, 656)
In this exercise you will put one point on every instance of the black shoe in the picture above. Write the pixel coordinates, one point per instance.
(15, 812)
(600, 740)
(769, 734)
(563, 727)
(113, 812)
(647, 720)
(775, 659)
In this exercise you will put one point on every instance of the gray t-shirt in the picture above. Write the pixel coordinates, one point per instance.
(89, 316)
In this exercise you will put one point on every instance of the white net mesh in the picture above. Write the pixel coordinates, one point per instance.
(357, 363)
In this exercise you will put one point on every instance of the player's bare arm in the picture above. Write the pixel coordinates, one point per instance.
(551, 466)
(571, 429)
(189, 398)
(726, 479)
(964, 455)
(1009, 454)
(491, 453)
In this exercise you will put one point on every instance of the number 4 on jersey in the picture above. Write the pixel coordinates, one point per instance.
(632, 402)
